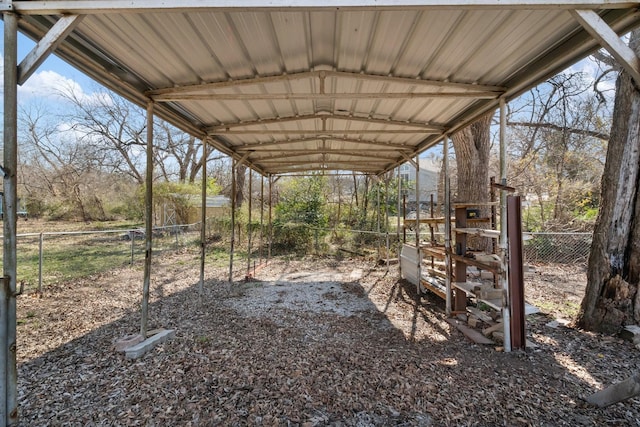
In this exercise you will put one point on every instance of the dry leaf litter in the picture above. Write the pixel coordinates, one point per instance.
(310, 342)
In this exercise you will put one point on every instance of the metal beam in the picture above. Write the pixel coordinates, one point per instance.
(604, 34)
(306, 153)
(258, 145)
(275, 162)
(44, 7)
(310, 96)
(257, 150)
(327, 116)
(320, 132)
(48, 44)
(321, 75)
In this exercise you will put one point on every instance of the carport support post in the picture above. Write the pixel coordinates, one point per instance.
(418, 222)
(261, 214)
(8, 371)
(148, 219)
(249, 225)
(386, 215)
(398, 222)
(203, 216)
(233, 218)
(378, 214)
(504, 278)
(447, 223)
(270, 217)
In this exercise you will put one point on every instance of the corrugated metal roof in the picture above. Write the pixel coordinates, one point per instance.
(314, 88)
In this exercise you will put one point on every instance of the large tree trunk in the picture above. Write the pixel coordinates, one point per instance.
(612, 298)
(472, 146)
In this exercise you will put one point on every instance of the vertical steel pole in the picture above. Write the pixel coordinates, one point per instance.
(270, 217)
(447, 223)
(8, 371)
(504, 278)
(386, 216)
(233, 218)
(203, 215)
(261, 215)
(40, 255)
(249, 228)
(418, 224)
(398, 220)
(133, 242)
(378, 216)
(148, 219)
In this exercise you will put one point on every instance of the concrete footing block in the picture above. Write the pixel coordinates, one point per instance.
(145, 346)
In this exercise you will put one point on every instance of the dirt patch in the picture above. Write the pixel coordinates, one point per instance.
(314, 342)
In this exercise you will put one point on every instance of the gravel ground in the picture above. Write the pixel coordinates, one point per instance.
(310, 342)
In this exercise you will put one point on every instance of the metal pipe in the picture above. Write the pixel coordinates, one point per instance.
(249, 228)
(233, 217)
(447, 223)
(8, 367)
(132, 234)
(378, 216)
(417, 166)
(203, 216)
(398, 219)
(40, 255)
(386, 217)
(504, 278)
(261, 215)
(148, 218)
(270, 217)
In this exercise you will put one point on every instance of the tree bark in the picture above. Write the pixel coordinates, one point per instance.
(612, 299)
(472, 146)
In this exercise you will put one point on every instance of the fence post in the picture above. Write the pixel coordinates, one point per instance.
(40, 253)
(133, 240)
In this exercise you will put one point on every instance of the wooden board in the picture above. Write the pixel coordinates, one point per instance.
(472, 334)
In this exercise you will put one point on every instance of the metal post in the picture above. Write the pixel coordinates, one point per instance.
(386, 217)
(8, 368)
(418, 224)
(133, 242)
(148, 218)
(506, 313)
(249, 226)
(378, 216)
(233, 217)
(398, 220)
(516, 279)
(40, 255)
(447, 223)
(261, 214)
(203, 216)
(270, 217)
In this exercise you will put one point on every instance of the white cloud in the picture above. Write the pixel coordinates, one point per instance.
(48, 85)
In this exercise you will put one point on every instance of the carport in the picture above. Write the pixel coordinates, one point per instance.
(293, 86)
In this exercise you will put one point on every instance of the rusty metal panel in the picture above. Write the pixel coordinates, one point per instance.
(516, 276)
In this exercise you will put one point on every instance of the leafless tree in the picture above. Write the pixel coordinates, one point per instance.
(613, 278)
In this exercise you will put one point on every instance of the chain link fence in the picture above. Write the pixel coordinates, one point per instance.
(558, 248)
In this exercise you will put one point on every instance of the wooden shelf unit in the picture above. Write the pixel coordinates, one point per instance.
(462, 259)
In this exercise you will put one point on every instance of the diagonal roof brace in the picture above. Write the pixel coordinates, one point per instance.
(604, 34)
(48, 44)
(410, 160)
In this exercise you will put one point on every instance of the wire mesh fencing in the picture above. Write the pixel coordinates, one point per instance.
(558, 248)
